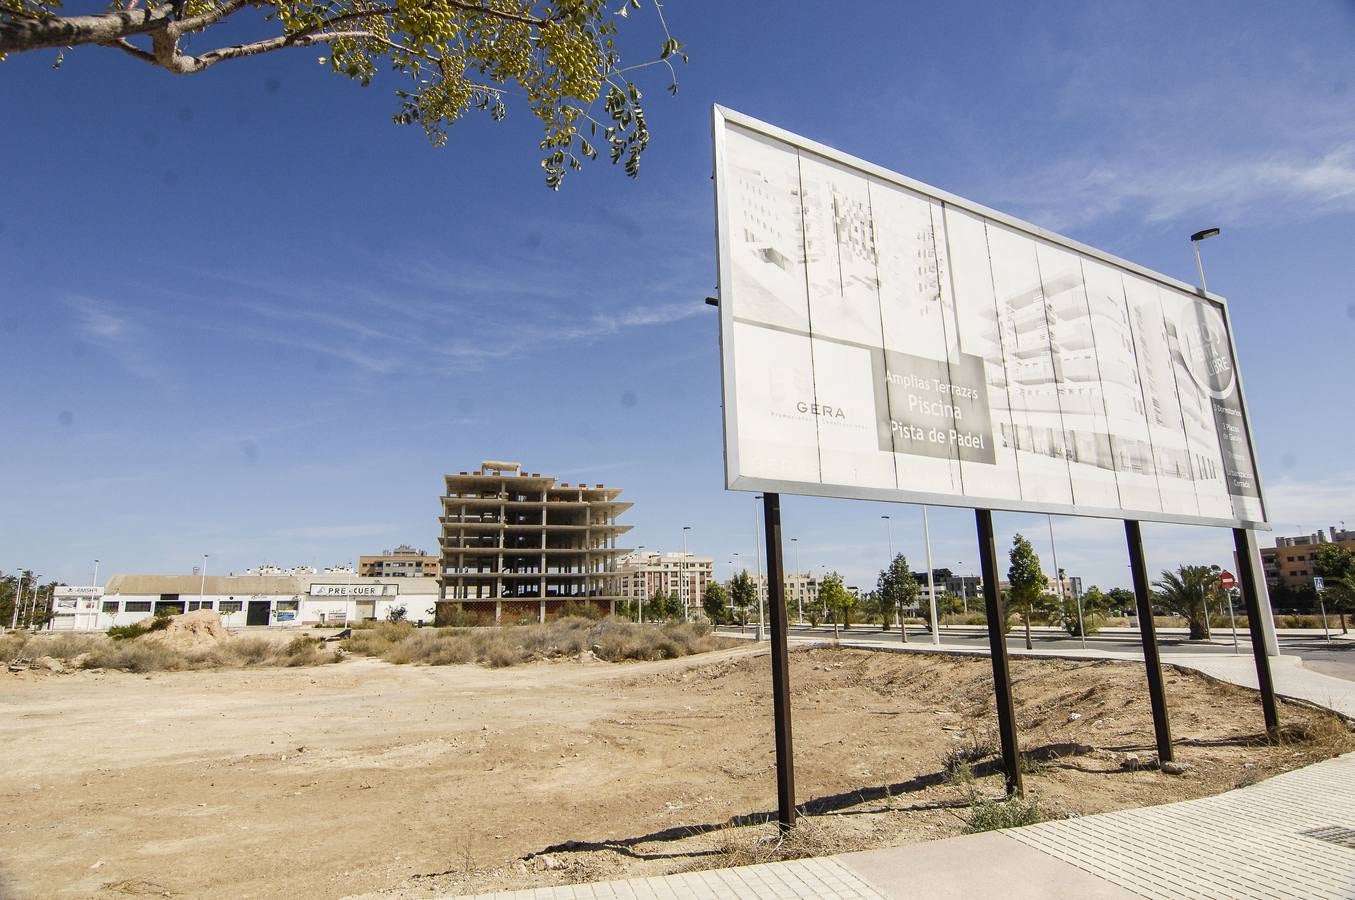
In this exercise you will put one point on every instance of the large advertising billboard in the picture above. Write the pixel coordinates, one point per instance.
(882, 339)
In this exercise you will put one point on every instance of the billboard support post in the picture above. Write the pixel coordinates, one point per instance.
(997, 642)
(776, 599)
(1157, 693)
(1245, 543)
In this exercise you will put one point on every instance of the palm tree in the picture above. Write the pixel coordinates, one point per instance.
(1184, 592)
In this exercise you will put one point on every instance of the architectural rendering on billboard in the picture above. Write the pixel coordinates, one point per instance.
(883, 339)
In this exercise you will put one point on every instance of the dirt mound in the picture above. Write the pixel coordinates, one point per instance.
(198, 630)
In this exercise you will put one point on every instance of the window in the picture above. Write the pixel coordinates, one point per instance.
(137, 606)
(110, 607)
(230, 606)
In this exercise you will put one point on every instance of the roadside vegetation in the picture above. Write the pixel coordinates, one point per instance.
(610, 639)
(67, 652)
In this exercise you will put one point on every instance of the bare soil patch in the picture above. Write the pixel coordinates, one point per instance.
(365, 778)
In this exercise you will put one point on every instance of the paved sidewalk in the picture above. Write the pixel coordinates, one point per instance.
(1290, 836)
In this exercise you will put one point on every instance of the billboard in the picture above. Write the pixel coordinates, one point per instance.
(882, 339)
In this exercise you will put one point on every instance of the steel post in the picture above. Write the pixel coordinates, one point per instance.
(997, 642)
(1152, 661)
(785, 750)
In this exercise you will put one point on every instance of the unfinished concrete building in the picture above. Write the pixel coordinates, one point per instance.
(518, 546)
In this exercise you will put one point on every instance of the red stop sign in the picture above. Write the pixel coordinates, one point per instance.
(1227, 581)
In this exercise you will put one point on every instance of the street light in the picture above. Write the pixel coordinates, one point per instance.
(1054, 549)
(800, 594)
(757, 550)
(640, 613)
(18, 597)
(889, 538)
(1195, 243)
(964, 588)
(202, 584)
(931, 579)
(682, 570)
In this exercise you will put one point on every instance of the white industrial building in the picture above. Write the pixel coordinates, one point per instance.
(254, 600)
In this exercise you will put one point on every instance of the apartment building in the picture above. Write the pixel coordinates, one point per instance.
(1292, 561)
(402, 562)
(517, 546)
(683, 575)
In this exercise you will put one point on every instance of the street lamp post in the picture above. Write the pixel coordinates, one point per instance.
(1195, 244)
(682, 569)
(1054, 550)
(742, 619)
(757, 552)
(18, 598)
(202, 583)
(799, 594)
(1254, 588)
(889, 539)
(640, 607)
(931, 578)
(964, 588)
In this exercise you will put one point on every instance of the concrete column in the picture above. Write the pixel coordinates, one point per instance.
(543, 610)
(498, 612)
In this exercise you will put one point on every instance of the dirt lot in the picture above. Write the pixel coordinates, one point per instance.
(368, 778)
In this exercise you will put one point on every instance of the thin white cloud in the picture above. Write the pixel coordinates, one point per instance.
(1303, 506)
(1292, 185)
(118, 334)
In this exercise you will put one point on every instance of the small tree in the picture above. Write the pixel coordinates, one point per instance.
(1336, 565)
(1094, 607)
(838, 600)
(663, 606)
(1028, 582)
(1185, 592)
(396, 614)
(715, 602)
(949, 604)
(895, 590)
(742, 595)
(1122, 601)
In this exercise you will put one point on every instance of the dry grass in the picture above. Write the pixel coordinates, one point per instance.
(610, 639)
(84, 651)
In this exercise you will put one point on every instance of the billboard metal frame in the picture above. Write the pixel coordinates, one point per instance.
(722, 117)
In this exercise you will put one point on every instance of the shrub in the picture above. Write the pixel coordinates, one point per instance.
(63, 646)
(136, 656)
(127, 632)
(251, 651)
(969, 618)
(990, 815)
(577, 610)
(12, 646)
(958, 766)
(611, 639)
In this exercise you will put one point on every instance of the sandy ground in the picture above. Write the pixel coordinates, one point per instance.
(367, 778)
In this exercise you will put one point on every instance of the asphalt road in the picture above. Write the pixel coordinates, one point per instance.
(1336, 658)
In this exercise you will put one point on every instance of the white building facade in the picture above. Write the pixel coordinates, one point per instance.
(287, 601)
(683, 575)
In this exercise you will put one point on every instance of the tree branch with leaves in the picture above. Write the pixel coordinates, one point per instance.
(560, 59)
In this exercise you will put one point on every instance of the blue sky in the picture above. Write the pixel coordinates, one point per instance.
(242, 314)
